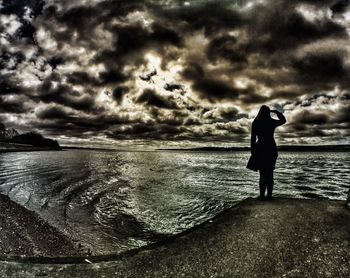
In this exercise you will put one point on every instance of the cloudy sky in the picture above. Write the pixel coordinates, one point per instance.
(145, 74)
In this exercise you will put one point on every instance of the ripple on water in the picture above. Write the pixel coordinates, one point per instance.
(311, 195)
(120, 200)
(304, 188)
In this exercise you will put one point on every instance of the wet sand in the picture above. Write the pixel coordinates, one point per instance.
(24, 234)
(281, 238)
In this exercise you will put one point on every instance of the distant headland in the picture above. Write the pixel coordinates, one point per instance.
(11, 140)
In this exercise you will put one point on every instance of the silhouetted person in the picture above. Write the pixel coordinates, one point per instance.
(264, 150)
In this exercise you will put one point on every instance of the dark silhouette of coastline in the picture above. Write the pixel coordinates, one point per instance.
(283, 148)
(11, 140)
(86, 148)
(35, 140)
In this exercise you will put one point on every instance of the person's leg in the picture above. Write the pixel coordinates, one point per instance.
(262, 184)
(269, 183)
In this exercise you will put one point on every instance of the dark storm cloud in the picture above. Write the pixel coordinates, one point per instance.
(231, 128)
(81, 77)
(150, 97)
(214, 89)
(129, 41)
(112, 76)
(225, 47)
(81, 20)
(156, 131)
(79, 67)
(55, 61)
(24, 9)
(192, 121)
(319, 117)
(54, 112)
(18, 7)
(278, 28)
(285, 94)
(211, 88)
(27, 31)
(6, 58)
(311, 117)
(74, 26)
(340, 6)
(224, 114)
(57, 119)
(169, 117)
(147, 131)
(193, 71)
(273, 30)
(343, 115)
(141, 129)
(321, 67)
(252, 97)
(16, 106)
(9, 88)
(210, 16)
(132, 41)
(65, 95)
(119, 93)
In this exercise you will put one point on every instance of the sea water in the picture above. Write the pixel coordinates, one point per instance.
(114, 201)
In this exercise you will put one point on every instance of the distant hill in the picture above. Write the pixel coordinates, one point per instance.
(35, 140)
(310, 148)
(8, 133)
(11, 139)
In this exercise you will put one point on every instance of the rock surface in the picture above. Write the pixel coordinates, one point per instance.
(281, 238)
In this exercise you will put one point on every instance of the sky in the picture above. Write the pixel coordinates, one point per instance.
(150, 74)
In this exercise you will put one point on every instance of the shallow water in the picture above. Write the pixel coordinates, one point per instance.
(115, 201)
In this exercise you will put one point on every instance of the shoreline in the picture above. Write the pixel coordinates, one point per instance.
(281, 148)
(14, 147)
(24, 234)
(26, 150)
(167, 150)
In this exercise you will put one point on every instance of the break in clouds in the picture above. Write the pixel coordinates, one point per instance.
(175, 73)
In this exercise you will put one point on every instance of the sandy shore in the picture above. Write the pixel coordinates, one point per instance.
(282, 238)
(24, 233)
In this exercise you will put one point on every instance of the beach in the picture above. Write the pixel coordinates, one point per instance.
(24, 234)
(281, 238)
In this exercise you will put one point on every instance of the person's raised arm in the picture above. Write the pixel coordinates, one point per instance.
(281, 119)
(252, 139)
